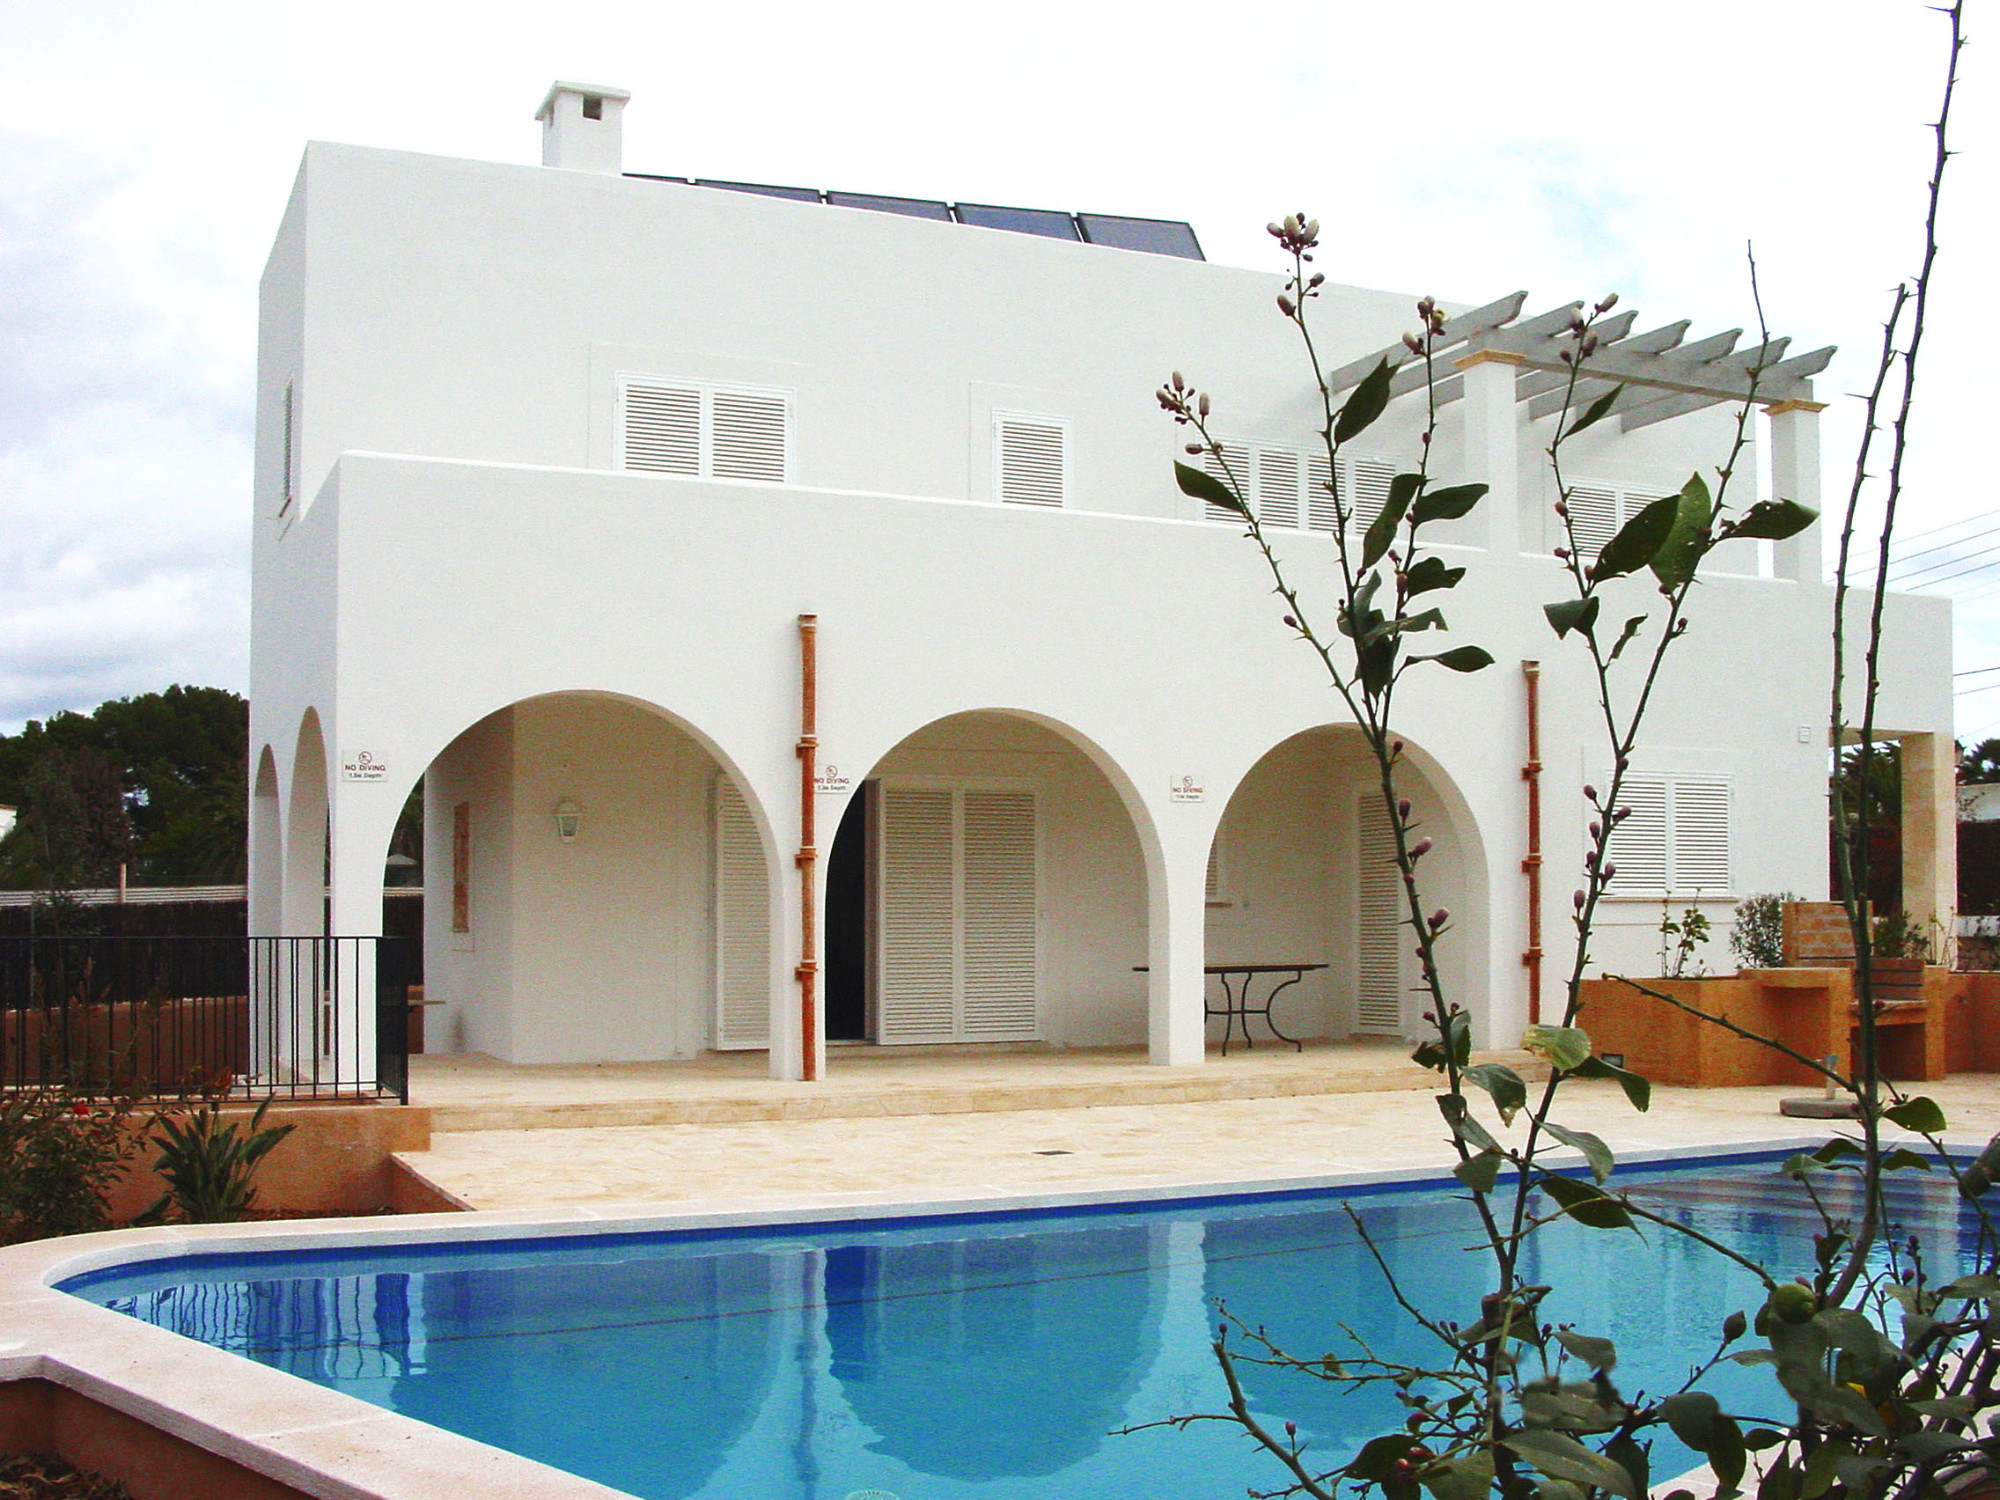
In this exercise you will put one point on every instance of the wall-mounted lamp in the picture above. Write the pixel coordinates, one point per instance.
(569, 820)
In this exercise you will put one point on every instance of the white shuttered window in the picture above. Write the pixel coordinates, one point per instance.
(958, 919)
(709, 431)
(1596, 510)
(1677, 839)
(1292, 488)
(1030, 459)
(1378, 991)
(742, 926)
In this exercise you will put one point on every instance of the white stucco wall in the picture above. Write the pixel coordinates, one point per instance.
(455, 331)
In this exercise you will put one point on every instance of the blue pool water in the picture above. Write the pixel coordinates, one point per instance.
(980, 1357)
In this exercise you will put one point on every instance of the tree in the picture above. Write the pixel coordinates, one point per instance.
(177, 764)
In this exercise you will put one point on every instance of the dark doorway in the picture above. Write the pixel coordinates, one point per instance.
(847, 924)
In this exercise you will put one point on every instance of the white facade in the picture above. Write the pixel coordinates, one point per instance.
(459, 578)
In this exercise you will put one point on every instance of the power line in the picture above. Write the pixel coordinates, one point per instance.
(1948, 562)
(1896, 562)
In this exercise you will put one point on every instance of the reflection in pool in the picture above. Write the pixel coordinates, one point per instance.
(971, 1358)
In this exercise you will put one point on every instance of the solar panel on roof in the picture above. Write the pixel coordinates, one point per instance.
(1154, 236)
(1043, 221)
(762, 190)
(915, 208)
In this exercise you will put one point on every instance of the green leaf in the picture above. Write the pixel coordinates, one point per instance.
(1379, 1456)
(1382, 530)
(1585, 1202)
(1772, 520)
(1625, 636)
(1428, 620)
(1980, 1284)
(1599, 410)
(1467, 1477)
(1598, 1354)
(1480, 1172)
(1692, 1416)
(1461, 658)
(1428, 573)
(1637, 1090)
(1464, 1124)
(1625, 1451)
(1447, 504)
(1593, 1148)
(1920, 1114)
(1509, 1092)
(1726, 1453)
(1638, 541)
(1901, 1160)
(1562, 1457)
(1205, 486)
(1566, 1046)
(1566, 615)
(1834, 1149)
(1674, 564)
(1364, 404)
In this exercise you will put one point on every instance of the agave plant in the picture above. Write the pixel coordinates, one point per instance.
(208, 1166)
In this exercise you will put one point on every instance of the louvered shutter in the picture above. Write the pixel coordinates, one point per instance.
(1238, 461)
(742, 926)
(918, 922)
(1594, 517)
(748, 436)
(998, 924)
(1278, 487)
(1031, 459)
(1701, 836)
(1212, 881)
(1368, 481)
(1378, 994)
(661, 428)
(1319, 493)
(1639, 844)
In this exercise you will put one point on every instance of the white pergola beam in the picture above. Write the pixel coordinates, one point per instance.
(1456, 331)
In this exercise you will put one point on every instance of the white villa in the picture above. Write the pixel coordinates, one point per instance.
(553, 461)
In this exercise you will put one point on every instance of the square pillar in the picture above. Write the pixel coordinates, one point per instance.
(1930, 827)
(1176, 950)
(1795, 476)
(1492, 445)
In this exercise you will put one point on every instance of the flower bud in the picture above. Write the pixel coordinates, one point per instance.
(1414, 344)
(1439, 918)
(1610, 871)
(1590, 794)
(1294, 624)
(1577, 900)
(1610, 301)
(1420, 848)
(1179, 384)
(1286, 305)
(1196, 449)
(1562, 554)
(1403, 808)
(1597, 830)
(1621, 815)
(1201, 405)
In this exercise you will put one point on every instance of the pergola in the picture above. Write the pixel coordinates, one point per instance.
(1666, 376)
(1498, 361)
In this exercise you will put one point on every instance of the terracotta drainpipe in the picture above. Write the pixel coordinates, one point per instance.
(1532, 864)
(807, 972)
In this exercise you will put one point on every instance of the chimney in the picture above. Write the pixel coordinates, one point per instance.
(581, 129)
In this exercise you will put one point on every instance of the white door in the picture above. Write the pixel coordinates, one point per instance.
(956, 921)
(742, 926)
(1378, 948)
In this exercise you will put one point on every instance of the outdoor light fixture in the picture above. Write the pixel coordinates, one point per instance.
(569, 818)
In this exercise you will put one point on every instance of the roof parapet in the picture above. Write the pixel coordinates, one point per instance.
(582, 127)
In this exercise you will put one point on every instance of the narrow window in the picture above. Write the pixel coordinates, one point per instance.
(461, 867)
(286, 482)
(593, 107)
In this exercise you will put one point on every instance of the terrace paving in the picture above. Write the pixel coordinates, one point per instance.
(978, 1122)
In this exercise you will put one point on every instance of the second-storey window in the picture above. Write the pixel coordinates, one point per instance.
(710, 431)
(1676, 841)
(1294, 490)
(1030, 459)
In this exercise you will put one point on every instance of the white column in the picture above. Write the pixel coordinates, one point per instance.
(1177, 946)
(1795, 476)
(788, 1041)
(1492, 446)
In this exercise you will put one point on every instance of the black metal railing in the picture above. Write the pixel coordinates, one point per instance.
(185, 1017)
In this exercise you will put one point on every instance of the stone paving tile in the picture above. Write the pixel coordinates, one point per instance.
(1108, 1145)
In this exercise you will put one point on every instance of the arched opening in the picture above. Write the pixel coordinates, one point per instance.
(304, 901)
(267, 871)
(986, 884)
(597, 889)
(1301, 873)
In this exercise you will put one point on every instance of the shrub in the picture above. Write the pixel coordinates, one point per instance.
(1757, 937)
(209, 1167)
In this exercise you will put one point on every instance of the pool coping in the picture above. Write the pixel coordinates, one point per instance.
(334, 1446)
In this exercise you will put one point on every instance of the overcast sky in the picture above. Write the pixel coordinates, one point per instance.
(1465, 149)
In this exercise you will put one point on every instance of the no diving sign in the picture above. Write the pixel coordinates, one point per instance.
(362, 766)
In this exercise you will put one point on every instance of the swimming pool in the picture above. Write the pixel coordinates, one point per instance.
(982, 1356)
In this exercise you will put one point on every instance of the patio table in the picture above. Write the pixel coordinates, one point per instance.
(1236, 1004)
